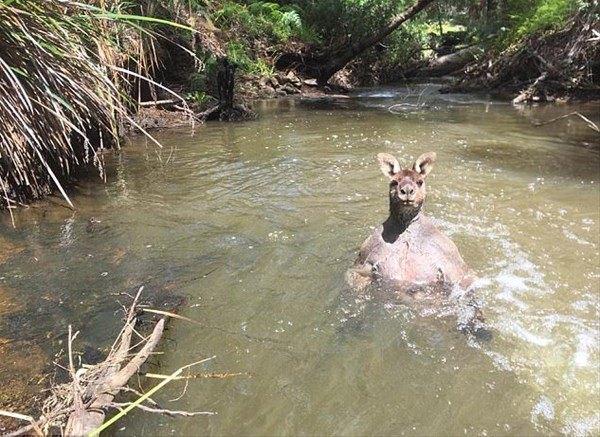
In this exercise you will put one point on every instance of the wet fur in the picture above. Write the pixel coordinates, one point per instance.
(408, 252)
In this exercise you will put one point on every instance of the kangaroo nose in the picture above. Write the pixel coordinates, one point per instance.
(407, 190)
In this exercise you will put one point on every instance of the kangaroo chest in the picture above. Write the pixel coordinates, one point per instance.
(408, 258)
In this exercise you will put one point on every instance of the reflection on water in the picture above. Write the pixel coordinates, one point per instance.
(254, 225)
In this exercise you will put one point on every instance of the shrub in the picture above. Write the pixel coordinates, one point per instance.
(61, 101)
(546, 14)
(260, 19)
(238, 54)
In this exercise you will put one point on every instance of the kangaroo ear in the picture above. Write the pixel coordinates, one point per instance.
(424, 163)
(388, 164)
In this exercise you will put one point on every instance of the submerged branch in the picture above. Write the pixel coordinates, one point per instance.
(79, 407)
(165, 411)
(587, 121)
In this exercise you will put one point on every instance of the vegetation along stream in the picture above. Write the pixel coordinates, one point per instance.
(255, 223)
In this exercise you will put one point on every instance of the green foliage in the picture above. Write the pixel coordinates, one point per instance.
(280, 22)
(202, 81)
(542, 15)
(237, 52)
(260, 19)
(261, 68)
(406, 43)
(198, 97)
(338, 21)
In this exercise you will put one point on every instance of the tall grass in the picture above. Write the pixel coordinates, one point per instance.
(61, 105)
(58, 106)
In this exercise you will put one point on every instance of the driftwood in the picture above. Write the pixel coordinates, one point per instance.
(80, 406)
(534, 92)
(100, 394)
(167, 102)
(451, 62)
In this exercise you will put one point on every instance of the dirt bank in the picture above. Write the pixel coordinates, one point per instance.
(168, 113)
(562, 64)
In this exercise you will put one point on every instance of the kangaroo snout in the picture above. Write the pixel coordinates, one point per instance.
(406, 192)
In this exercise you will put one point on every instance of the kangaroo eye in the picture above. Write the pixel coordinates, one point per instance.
(394, 184)
(420, 183)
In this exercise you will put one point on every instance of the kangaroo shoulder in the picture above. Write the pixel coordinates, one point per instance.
(370, 243)
(437, 239)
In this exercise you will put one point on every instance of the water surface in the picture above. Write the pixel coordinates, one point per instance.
(254, 225)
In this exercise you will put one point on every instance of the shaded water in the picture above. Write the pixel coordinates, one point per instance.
(255, 224)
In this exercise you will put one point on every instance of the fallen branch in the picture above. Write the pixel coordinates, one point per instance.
(588, 122)
(160, 102)
(96, 432)
(79, 407)
(532, 92)
(172, 413)
(101, 393)
(196, 376)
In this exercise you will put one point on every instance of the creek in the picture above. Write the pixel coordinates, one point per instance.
(249, 228)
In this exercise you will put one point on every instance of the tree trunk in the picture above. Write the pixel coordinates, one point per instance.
(327, 65)
(227, 109)
(450, 63)
(226, 83)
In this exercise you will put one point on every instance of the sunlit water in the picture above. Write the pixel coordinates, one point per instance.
(255, 224)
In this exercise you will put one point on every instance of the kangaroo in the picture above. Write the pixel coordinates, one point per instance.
(407, 252)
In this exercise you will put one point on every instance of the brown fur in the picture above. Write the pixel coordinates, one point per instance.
(408, 249)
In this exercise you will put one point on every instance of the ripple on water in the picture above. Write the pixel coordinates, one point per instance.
(256, 223)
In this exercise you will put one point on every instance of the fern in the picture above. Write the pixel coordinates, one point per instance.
(292, 20)
(260, 19)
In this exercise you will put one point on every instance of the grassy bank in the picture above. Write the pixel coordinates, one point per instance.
(59, 105)
(69, 73)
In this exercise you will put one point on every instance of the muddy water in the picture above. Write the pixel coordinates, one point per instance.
(255, 224)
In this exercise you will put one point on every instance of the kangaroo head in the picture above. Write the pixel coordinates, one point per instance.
(407, 186)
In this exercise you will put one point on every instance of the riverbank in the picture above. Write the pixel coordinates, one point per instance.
(253, 92)
(546, 67)
(248, 89)
(189, 56)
